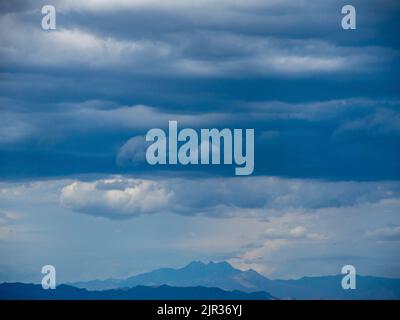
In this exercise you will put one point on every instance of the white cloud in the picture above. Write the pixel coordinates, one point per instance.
(323, 240)
(115, 198)
(389, 233)
(6, 216)
(288, 230)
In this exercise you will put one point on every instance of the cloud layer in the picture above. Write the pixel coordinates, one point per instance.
(122, 197)
(276, 234)
(202, 48)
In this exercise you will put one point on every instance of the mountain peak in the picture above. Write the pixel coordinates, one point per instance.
(219, 266)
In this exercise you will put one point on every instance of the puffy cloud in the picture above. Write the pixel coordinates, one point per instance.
(6, 216)
(319, 241)
(282, 234)
(115, 198)
(285, 231)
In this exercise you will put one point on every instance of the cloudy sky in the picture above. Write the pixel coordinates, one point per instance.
(76, 102)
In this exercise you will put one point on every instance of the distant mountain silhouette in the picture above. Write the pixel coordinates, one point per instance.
(224, 276)
(22, 291)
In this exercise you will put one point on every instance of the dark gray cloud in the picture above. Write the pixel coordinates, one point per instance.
(197, 44)
(71, 98)
(333, 135)
(20, 6)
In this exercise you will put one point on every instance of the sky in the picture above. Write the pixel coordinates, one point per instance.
(76, 103)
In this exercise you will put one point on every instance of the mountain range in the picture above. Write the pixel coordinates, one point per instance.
(226, 277)
(24, 291)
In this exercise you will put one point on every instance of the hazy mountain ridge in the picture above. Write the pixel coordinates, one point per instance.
(23, 291)
(224, 276)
